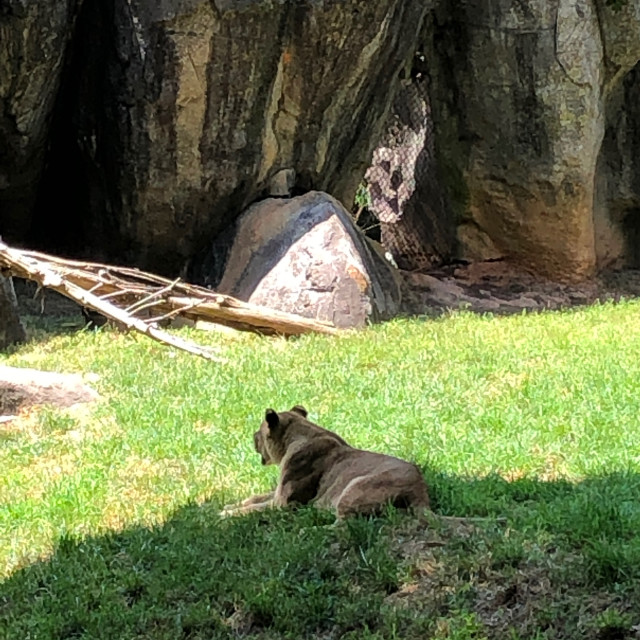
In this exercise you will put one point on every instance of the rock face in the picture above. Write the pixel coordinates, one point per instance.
(151, 124)
(617, 197)
(520, 93)
(305, 256)
(11, 329)
(33, 43)
(182, 111)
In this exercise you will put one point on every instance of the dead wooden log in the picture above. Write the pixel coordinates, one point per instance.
(123, 294)
(48, 277)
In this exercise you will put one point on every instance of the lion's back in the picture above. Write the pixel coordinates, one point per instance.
(363, 482)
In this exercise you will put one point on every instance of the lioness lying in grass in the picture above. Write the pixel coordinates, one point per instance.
(318, 467)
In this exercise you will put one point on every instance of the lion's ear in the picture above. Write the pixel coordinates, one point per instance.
(272, 418)
(300, 409)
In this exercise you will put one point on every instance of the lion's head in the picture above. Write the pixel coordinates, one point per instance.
(269, 439)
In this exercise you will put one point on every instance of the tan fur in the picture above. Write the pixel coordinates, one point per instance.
(317, 466)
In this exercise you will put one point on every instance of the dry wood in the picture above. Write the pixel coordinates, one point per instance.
(119, 293)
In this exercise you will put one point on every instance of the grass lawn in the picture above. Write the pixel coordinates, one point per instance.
(108, 516)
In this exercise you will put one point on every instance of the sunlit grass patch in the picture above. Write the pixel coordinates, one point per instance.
(531, 418)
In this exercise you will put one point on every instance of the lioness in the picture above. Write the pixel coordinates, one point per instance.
(317, 466)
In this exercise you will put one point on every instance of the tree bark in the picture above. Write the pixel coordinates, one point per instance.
(11, 329)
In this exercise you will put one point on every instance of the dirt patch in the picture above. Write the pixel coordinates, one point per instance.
(468, 567)
(22, 388)
(501, 287)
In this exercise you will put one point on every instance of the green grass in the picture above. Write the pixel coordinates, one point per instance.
(108, 517)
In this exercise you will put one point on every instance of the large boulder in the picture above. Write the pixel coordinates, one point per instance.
(304, 255)
(182, 111)
(519, 120)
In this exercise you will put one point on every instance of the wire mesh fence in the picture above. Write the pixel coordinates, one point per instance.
(401, 201)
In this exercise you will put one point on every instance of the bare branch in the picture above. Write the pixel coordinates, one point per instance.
(120, 292)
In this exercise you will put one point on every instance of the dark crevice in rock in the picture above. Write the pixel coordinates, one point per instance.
(631, 230)
(617, 198)
(33, 49)
(71, 213)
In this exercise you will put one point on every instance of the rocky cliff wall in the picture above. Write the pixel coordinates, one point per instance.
(34, 41)
(137, 130)
(174, 115)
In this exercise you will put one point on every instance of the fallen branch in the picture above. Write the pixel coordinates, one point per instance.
(174, 312)
(119, 293)
(151, 297)
(49, 278)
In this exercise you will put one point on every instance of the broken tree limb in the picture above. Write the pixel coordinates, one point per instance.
(48, 278)
(119, 293)
(174, 312)
(151, 297)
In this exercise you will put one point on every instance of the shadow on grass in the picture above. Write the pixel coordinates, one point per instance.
(46, 313)
(283, 575)
(44, 328)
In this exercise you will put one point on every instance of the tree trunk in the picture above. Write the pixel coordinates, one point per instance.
(11, 329)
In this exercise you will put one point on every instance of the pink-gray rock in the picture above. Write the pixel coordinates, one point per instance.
(305, 256)
(21, 388)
